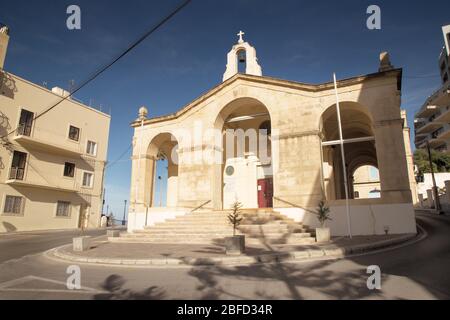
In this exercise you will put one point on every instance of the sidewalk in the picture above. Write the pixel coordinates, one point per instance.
(129, 254)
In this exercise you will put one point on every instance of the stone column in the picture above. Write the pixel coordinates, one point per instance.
(143, 182)
(392, 163)
(298, 177)
(409, 157)
(195, 179)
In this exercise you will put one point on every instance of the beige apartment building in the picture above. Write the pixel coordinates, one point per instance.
(432, 122)
(52, 164)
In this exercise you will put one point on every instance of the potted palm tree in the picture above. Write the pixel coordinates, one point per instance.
(235, 245)
(323, 215)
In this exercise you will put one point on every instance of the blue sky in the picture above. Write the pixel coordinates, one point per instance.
(303, 41)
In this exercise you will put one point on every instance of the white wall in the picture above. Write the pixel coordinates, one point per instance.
(428, 182)
(364, 219)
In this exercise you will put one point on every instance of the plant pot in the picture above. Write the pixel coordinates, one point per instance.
(235, 245)
(81, 244)
(323, 235)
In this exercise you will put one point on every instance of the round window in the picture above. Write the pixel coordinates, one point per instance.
(229, 171)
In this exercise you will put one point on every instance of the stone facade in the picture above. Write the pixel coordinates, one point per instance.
(301, 117)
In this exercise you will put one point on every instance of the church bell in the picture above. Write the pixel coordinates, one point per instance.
(241, 56)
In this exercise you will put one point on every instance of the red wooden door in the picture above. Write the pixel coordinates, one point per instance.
(265, 193)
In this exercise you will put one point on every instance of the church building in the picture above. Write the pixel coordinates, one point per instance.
(275, 144)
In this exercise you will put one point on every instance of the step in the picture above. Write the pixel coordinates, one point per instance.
(216, 241)
(214, 235)
(225, 233)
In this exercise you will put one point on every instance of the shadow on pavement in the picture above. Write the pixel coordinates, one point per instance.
(114, 285)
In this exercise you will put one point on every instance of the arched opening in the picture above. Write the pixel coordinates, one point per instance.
(365, 183)
(359, 148)
(163, 155)
(242, 61)
(246, 172)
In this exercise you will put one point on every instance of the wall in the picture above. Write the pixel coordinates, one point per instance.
(427, 184)
(295, 110)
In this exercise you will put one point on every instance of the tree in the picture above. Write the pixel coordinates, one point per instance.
(234, 217)
(440, 160)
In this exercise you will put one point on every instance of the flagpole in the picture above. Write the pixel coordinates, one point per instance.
(344, 167)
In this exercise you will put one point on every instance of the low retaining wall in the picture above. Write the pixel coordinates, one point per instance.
(365, 219)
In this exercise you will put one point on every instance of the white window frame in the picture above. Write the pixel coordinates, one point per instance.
(69, 210)
(95, 148)
(9, 214)
(92, 180)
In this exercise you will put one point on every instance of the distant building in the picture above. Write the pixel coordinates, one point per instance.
(366, 183)
(51, 164)
(432, 122)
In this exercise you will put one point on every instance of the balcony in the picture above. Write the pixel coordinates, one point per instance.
(47, 141)
(429, 127)
(427, 111)
(16, 173)
(443, 135)
(441, 97)
(444, 117)
(19, 181)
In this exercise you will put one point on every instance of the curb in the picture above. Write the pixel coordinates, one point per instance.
(295, 256)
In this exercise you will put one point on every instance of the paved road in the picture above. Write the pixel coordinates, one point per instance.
(417, 271)
(18, 245)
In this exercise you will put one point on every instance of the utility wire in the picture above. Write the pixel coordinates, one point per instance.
(103, 69)
(119, 158)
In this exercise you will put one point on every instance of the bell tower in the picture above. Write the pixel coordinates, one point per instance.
(242, 53)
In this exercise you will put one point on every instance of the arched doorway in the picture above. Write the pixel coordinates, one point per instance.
(246, 172)
(163, 155)
(359, 147)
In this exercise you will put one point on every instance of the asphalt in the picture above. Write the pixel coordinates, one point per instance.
(414, 271)
(17, 245)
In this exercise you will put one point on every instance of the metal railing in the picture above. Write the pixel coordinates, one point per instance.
(16, 173)
(24, 130)
(201, 206)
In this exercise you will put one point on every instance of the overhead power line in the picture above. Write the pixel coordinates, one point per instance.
(119, 158)
(106, 67)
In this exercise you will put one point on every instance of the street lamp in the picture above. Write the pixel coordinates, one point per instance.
(124, 212)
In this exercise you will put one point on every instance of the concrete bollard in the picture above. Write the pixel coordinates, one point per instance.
(104, 222)
(81, 244)
(421, 201)
(430, 199)
(447, 191)
(113, 233)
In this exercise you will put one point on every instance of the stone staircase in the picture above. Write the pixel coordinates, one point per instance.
(211, 227)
